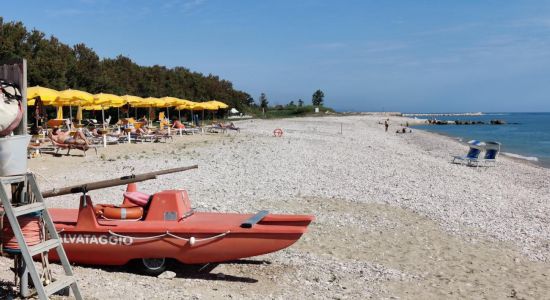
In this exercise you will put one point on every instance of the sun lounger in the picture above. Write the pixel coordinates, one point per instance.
(35, 150)
(186, 130)
(473, 154)
(58, 146)
(492, 149)
(97, 139)
(238, 129)
(154, 137)
(216, 128)
(225, 127)
(69, 147)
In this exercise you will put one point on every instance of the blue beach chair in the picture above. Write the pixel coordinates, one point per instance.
(473, 154)
(492, 149)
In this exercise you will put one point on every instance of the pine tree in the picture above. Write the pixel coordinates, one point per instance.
(317, 98)
(263, 101)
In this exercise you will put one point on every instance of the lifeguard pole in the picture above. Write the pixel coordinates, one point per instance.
(25, 199)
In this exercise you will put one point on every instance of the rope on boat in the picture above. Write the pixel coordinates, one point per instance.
(139, 237)
(192, 240)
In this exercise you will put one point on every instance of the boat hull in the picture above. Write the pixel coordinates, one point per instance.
(200, 238)
(106, 249)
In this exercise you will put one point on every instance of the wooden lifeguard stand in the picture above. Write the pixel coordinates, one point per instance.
(21, 196)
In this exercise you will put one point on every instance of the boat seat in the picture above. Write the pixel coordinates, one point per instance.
(138, 198)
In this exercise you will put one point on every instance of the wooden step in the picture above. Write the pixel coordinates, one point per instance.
(44, 247)
(60, 283)
(29, 208)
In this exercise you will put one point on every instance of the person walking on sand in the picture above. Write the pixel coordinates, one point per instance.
(387, 124)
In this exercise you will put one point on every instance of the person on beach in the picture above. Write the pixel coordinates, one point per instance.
(178, 125)
(387, 124)
(65, 137)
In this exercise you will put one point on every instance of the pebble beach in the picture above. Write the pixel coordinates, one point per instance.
(395, 219)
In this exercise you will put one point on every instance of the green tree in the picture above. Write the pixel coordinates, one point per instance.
(300, 103)
(263, 101)
(317, 98)
(250, 101)
(59, 66)
(86, 71)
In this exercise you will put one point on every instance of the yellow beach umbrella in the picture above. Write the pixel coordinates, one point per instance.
(79, 114)
(149, 102)
(59, 115)
(32, 102)
(132, 99)
(193, 106)
(186, 102)
(72, 97)
(45, 94)
(107, 100)
(77, 97)
(209, 106)
(161, 103)
(183, 104)
(92, 107)
(218, 104)
(171, 102)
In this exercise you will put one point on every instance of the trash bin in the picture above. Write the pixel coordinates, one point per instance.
(13, 154)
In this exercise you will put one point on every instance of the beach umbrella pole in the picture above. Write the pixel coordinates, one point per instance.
(103, 116)
(104, 127)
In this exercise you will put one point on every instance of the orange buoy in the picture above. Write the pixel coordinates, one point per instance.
(278, 132)
(121, 212)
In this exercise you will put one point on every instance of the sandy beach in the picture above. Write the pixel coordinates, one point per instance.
(394, 218)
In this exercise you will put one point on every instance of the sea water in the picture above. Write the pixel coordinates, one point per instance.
(525, 135)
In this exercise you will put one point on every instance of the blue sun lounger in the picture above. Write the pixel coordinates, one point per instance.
(492, 149)
(473, 154)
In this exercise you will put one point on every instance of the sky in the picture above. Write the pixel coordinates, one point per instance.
(408, 56)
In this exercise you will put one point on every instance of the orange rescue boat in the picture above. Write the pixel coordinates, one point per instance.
(154, 228)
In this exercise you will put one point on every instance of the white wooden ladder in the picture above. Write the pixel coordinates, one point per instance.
(30, 201)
